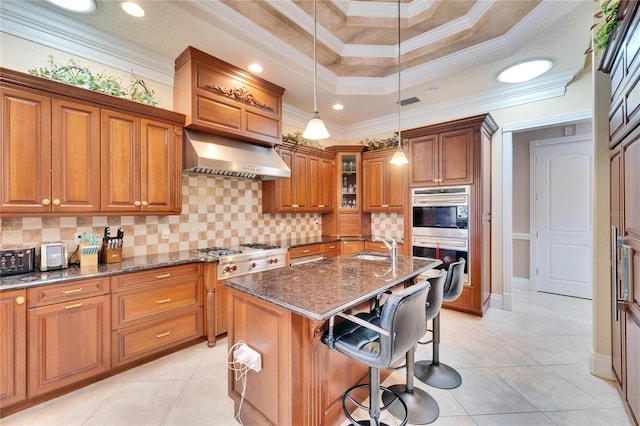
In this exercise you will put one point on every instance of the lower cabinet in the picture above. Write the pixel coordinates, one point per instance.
(155, 310)
(13, 350)
(350, 247)
(68, 337)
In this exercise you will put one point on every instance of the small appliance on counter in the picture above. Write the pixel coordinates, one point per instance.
(17, 261)
(53, 256)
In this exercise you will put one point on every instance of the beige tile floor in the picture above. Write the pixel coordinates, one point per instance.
(522, 367)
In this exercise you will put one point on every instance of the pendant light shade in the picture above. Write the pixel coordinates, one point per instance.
(399, 157)
(315, 128)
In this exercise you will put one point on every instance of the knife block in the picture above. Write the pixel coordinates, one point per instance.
(108, 255)
(88, 254)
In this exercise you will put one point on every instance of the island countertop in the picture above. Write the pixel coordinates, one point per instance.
(319, 290)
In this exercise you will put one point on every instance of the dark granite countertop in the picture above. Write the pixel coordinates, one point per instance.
(131, 264)
(322, 289)
(300, 242)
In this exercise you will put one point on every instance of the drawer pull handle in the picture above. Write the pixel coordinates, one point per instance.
(305, 251)
(163, 276)
(332, 247)
(166, 333)
(168, 299)
(75, 305)
(75, 290)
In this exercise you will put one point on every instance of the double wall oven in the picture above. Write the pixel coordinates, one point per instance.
(440, 224)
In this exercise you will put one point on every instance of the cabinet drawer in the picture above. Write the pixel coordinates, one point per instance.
(154, 276)
(306, 251)
(133, 343)
(58, 293)
(376, 247)
(332, 249)
(157, 299)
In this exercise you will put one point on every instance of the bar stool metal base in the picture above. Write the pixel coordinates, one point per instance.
(438, 375)
(423, 409)
(390, 399)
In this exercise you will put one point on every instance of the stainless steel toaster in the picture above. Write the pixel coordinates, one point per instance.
(53, 256)
(17, 261)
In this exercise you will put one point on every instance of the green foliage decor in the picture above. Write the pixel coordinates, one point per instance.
(373, 144)
(608, 21)
(75, 74)
(298, 139)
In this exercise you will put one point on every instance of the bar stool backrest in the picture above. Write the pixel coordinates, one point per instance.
(436, 294)
(455, 280)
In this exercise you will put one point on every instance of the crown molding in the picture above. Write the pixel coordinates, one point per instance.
(39, 25)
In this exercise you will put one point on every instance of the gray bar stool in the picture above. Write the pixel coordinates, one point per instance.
(434, 373)
(377, 339)
(423, 409)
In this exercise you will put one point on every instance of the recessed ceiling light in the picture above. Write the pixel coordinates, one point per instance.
(432, 89)
(255, 68)
(133, 9)
(525, 71)
(338, 107)
(80, 6)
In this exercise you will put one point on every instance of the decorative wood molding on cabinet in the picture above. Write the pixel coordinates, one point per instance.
(220, 98)
(72, 151)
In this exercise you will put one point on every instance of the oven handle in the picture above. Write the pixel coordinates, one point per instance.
(441, 200)
(463, 245)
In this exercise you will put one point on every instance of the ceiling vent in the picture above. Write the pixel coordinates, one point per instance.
(409, 101)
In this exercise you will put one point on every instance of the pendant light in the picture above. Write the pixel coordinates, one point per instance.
(399, 156)
(315, 128)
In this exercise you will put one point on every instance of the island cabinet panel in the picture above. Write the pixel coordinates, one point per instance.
(621, 60)
(310, 187)
(155, 310)
(68, 340)
(13, 350)
(221, 98)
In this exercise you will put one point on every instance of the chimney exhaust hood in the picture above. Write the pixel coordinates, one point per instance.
(217, 155)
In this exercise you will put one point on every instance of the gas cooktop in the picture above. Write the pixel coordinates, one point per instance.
(242, 249)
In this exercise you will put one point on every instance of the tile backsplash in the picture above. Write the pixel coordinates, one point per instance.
(216, 211)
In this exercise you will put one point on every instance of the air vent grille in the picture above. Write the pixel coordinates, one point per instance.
(218, 172)
(409, 101)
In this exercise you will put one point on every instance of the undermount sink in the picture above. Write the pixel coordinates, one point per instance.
(371, 256)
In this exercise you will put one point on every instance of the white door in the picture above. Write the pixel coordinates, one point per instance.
(562, 217)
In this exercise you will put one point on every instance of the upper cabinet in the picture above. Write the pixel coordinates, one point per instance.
(68, 151)
(310, 187)
(384, 184)
(219, 98)
(446, 157)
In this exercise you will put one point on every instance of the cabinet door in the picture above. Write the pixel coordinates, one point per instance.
(395, 186)
(373, 178)
(158, 170)
(326, 184)
(284, 187)
(424, 161)
(26, 152)
(68, 342)
(13, 351)
(75, 157)
(300, 179)
(120, 168)
(456, 157)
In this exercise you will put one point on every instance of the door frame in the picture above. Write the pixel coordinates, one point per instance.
(533, 217)
(507, 193)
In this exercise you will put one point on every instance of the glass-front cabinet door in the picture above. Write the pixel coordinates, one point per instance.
(349, 178)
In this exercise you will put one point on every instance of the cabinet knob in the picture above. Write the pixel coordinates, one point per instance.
(56, 202)
(137, 203)
(145, 204)
(20, 300)
(46, 202)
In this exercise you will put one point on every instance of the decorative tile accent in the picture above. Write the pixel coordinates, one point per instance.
(216, 211)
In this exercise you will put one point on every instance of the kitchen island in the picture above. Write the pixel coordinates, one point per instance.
(283, 313)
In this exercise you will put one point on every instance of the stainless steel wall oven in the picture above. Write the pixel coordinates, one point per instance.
(440, 224)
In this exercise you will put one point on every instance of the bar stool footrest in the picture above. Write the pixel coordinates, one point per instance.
(388, 402)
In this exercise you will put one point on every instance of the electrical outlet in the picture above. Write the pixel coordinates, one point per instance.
(165, 233)
(246, 356)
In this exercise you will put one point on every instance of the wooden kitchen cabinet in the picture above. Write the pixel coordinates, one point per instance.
(72, 151)
(155, 310)
(68, 337)
(310, 187)
(51, 155)
(220, 98)
(350, 247)
(141, 162)
(348, 218)
(13, 350)
(445, 157)
(384, 184)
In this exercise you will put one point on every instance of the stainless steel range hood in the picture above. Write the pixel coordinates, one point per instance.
(217, 155)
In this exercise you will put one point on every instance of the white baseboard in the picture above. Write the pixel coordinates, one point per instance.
(521, 283)
(600, 366)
